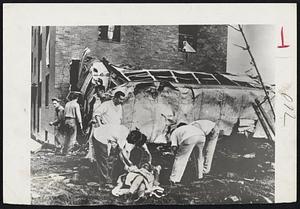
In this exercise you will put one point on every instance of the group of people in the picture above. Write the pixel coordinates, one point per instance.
(107, 136)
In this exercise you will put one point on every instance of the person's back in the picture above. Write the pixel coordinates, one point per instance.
(70, 109)
(211, 131)
(205, 125)
(72, 117)
(183, 133)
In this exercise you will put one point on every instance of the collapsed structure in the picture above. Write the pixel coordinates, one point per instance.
(153, 95)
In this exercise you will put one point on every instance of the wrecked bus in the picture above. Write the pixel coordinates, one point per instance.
(152, 95)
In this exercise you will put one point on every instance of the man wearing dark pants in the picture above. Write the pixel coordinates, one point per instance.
(101, 155)
(59, 124)
(108, 115)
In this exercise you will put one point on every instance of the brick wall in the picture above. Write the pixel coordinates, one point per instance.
(142, 47)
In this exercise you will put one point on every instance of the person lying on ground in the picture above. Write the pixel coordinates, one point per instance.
(138, 182)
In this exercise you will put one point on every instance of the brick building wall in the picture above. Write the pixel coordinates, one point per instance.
(43, 77)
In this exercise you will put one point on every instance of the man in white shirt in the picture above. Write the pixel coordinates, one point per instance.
(200, 133)
(110, 112)
(183, 140)
(108, 115)
(211, 132)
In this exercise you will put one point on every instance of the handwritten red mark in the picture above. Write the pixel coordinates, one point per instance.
(282, 40)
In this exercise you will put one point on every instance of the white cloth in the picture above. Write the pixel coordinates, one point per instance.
(109, 113)
(205, 125)
(111, 133)
(184, 132)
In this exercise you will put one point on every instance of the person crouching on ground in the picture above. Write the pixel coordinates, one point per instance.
(211, 131)
(59, 124)
(183, 140)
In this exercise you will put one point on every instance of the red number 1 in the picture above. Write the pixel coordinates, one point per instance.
(282, 40)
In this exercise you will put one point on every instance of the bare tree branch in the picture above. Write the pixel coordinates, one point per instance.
(234, 28)
(242, 47)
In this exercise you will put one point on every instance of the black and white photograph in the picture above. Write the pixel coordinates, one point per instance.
(159, 114)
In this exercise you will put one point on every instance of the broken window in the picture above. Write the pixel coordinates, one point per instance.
(187, 38)
(206, 79)
(163, 76)
(109, 33)
(139, 76)
(223, 80)
(186, 78)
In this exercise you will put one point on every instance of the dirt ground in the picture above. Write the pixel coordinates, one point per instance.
(242, 172)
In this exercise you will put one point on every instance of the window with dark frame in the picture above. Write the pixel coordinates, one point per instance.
(47, 90)
(109, 33)
(31, 62)
(40, 47)
(46, 135)
(34, 42)
(34, 66)
(47, 46)
(47, 33)
(187, 34)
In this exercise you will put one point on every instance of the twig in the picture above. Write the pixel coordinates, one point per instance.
(234, 28)
(242, 47)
